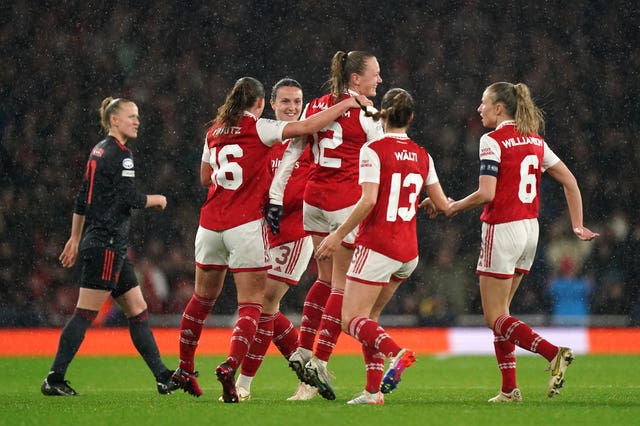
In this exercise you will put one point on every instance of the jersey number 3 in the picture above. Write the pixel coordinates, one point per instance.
(413, 181)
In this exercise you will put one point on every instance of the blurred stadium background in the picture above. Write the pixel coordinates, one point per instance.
(177, 60)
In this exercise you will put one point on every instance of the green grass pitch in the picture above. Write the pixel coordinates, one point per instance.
(599, 390)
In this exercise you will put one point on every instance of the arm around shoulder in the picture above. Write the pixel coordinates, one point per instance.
(318, 121)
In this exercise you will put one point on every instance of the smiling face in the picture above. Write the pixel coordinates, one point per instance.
(367, 82)
(288, 103)
(125, 122)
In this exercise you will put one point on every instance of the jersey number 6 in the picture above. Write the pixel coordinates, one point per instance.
(227, 174)
(527, 190)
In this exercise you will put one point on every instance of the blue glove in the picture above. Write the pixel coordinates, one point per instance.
(273, 216)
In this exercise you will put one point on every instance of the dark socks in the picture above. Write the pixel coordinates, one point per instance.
(145, 343)
(70, 341)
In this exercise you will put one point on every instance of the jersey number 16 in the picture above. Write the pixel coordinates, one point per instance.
(227, 174)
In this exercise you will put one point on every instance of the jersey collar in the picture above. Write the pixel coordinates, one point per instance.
(397, 135)
(506, 123)
(250, 115)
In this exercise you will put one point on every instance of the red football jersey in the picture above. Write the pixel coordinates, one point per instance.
(333, 178)
(401, 168)
(521, 161)
(238, 156)
(291, 228)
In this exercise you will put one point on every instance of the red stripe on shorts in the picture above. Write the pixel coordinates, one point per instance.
(489, 245)
(107, 266)
(295, 256)
(361, 257)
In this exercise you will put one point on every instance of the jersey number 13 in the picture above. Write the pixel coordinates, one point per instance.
(414, 182)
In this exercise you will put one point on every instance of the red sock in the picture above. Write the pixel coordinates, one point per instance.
(243, 332)
(506, 357)
(374, 364)
(369, 333)
(285, 335)
(191, 325)
(312, 312)
(259, 346)
(330, 326)
(519, 333)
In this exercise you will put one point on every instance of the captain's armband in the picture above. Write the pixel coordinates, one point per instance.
(489, 167)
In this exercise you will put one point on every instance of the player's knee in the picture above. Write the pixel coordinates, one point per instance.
(489, 320)
(345, 324)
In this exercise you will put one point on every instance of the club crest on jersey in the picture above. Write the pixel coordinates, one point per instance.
(127, 163)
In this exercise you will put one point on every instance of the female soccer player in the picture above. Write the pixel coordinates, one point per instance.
(99, 231)
(231, 234)
(290, 251)
(330, 195)
(393, 172)
(512, 159)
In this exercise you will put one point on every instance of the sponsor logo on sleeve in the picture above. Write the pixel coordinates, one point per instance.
(97, 152)
(485, 152)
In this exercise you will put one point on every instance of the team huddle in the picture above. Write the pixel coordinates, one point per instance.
(340, 181)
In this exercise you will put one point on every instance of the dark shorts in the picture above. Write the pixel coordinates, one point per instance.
(104, 269)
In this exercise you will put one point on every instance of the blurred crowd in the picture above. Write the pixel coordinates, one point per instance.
(177, 60)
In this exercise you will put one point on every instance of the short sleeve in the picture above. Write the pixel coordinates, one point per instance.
(489, 149)
(369, 166)
(549, 159)
(372, 128)
(432, 176)
(206, 153)
(270, 131)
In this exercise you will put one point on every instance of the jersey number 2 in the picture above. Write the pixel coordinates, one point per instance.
(329, 138)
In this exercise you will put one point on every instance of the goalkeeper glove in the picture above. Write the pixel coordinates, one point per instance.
(273, 216)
